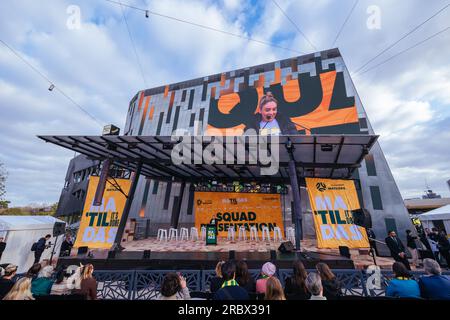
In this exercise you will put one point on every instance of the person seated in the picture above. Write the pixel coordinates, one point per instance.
(314, 284)
(402, 286)
(331, 286)
(42, 285)
(434, 285)
(6, 282)
(244, 278)
(230, 289)
(172, 285)
(267, 271)
(21, 290)
(59, 287)
(295, 288)
(217, 281)
(274, 290)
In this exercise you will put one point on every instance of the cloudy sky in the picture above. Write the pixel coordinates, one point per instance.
(407, 99)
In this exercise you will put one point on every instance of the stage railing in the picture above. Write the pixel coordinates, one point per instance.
(146, 284)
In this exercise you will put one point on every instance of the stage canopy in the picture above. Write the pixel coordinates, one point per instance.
(322, 156)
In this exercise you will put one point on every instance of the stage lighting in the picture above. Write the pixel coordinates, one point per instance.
(146, 13)
(326, 147)
(52, 86)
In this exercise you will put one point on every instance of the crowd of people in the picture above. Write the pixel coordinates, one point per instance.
(233, 282)
(43, 280)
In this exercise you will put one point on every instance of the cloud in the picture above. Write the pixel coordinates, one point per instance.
(406, 99)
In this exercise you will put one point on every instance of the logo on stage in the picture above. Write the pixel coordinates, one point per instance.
(247, 210)
(332, 202)
(99, 224)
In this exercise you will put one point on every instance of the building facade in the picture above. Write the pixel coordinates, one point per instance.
(315, 91)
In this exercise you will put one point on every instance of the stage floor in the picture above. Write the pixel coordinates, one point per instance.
(360, 258)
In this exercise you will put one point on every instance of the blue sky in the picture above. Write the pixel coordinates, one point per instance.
(407, 99)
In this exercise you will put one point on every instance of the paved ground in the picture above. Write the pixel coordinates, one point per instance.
(360, 257)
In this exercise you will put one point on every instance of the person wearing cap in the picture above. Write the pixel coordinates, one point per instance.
(267, 271)
(6, 282)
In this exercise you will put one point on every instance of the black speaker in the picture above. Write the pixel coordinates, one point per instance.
(344, 251)
(147, 254)
(286, 247)
(82, 250)
(361, 217)
(273, 255)
(59, 228)
(231, 255)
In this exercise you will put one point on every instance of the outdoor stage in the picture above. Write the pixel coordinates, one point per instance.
(178, 255)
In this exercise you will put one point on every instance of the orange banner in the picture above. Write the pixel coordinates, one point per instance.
(99, 224)
(331, 203)
(233, 210)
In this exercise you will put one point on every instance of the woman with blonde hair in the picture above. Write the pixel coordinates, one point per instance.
(88, 283)
(217, 281)
(274, 290)
(20, 291)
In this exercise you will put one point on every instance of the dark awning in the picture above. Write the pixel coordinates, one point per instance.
(324, 156)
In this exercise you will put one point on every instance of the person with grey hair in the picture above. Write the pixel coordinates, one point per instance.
(313, 283)
(42, 285)
(434, 285)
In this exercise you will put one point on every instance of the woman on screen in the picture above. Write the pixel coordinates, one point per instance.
(269, 121)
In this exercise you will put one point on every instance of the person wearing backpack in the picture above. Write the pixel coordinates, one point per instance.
(39, 247)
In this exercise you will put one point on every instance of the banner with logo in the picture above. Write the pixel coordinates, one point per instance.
(99, 224)
(233, 210)
(331, 203)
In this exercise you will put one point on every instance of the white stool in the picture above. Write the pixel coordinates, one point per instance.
(253, 234)
(230, 233)
(242, 233)
(203, 232)
(265, 232)
(184, 233)
(194, 234)
(290, 234)
(277, 234)
(173, 233)
(162, 233)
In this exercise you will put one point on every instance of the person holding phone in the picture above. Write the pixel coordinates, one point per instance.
(174, 283)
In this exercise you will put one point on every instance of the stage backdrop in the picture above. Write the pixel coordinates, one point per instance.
(235, 209)
(98, 225)
(331, 201)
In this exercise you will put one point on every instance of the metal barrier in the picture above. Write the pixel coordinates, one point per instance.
(146, 284)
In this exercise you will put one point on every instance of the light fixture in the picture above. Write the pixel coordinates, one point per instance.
(146, 13)
(52, 86)
(326, 147)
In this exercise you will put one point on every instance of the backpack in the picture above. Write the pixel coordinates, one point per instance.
(34, 246)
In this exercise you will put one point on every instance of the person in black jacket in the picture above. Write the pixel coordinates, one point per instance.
(230, 289)
(2, 246)
(244, 278)
(331, 285)
(444, 247)
(397, 249)
(269, 121)
(66, 246)
(295, 288)
(217, 281)
(40, 247)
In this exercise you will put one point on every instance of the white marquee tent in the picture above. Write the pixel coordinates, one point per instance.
(442, 213)
(20, 232)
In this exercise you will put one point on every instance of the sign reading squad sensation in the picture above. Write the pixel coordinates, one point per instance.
(233, 210)
(331, 203)
(99, 224)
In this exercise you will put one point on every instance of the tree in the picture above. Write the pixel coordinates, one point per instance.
(3, 176)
